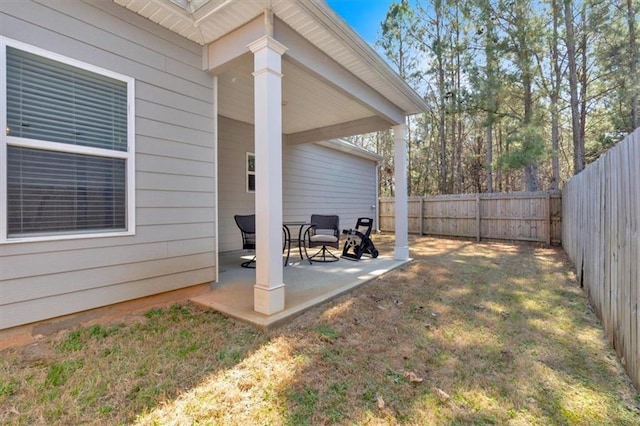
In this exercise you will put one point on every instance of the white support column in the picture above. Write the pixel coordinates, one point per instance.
(268, 293)
(401, 248)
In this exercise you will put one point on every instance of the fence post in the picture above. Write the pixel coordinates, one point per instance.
(478, 217)
(421, 215)
(549, 221)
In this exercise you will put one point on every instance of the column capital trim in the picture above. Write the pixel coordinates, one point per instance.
(267, 42)
(269, 71)
(400, 130)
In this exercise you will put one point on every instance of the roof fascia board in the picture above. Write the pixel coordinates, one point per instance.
(324, 68)
(351, 128)
(323, 13)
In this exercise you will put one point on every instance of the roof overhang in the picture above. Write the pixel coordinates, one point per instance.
(334, 83)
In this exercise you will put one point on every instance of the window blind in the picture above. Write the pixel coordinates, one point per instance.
(52, 101)
(55, 192)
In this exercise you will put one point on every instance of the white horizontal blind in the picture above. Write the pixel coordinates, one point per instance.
(52, 190)
(51, 101)
(57, 192)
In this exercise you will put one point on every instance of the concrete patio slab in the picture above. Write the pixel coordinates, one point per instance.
(306, 286)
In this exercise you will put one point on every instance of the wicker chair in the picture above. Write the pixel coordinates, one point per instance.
(325, 232)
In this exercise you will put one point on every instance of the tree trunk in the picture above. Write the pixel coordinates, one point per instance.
(490, 57)
(531, 170)
(508, 186)
(584, 84)
(531, 177)
(457, 100)
(633, 65)
(489, 137)
(499, 171)
(578, 143)
(555, 94)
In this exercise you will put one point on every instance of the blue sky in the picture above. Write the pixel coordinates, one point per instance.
(364, 16)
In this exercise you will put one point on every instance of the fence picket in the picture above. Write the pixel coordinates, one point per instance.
(601, 208)
(522, 216)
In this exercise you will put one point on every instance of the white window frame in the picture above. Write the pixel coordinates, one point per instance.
(250, 172)
(5, 141)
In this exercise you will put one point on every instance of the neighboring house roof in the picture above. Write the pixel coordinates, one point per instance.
(205, 21)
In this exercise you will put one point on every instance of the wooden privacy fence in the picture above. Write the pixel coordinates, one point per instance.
(601, 208)
(523, 216)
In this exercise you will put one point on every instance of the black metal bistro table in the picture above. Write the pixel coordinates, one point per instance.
(302, 226)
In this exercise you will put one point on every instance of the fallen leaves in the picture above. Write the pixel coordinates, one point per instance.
(412, 377)
(442, 395)
(380, 402)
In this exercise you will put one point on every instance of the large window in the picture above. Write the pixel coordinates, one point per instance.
(68, 148)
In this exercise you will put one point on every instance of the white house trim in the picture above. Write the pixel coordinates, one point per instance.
(344, 146)
(6, 141)
(269, 288)
(216, 145)
(355, 127)
(324, 68)
(233, 45)
(401, 249)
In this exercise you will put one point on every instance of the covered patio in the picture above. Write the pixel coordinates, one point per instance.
(307, 285)
(292, 73)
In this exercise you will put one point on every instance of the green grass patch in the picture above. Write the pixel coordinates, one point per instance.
(8, 387)
(464, 334)
(302, 406)
(327, 332)
(59, 373)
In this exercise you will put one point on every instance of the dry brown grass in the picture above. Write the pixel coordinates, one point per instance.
(465, 334)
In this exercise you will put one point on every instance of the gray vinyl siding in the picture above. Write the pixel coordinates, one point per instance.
(321, 180)
(235, 140)
(316, 179)
(174, 244)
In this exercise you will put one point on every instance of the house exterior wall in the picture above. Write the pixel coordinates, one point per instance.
(316, 179)
(235, 139)
(321, 180)
(174, 242)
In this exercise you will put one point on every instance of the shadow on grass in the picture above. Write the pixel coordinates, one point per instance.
(496, 333)
(110, 374)
(465, 334)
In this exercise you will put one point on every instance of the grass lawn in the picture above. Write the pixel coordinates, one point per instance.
(467, 333)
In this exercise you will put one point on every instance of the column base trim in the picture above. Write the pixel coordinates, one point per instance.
(268, 300)
(401, 253)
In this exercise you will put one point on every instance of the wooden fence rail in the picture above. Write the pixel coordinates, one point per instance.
(524, 216)
(601, 208)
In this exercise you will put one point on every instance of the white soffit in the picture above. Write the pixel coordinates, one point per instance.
(204, 21)
(308, 103)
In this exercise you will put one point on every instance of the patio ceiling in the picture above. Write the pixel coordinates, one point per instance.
(307, 103)
(334, 83)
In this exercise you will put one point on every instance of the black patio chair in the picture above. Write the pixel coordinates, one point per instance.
(324, 232)
(247, 225)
